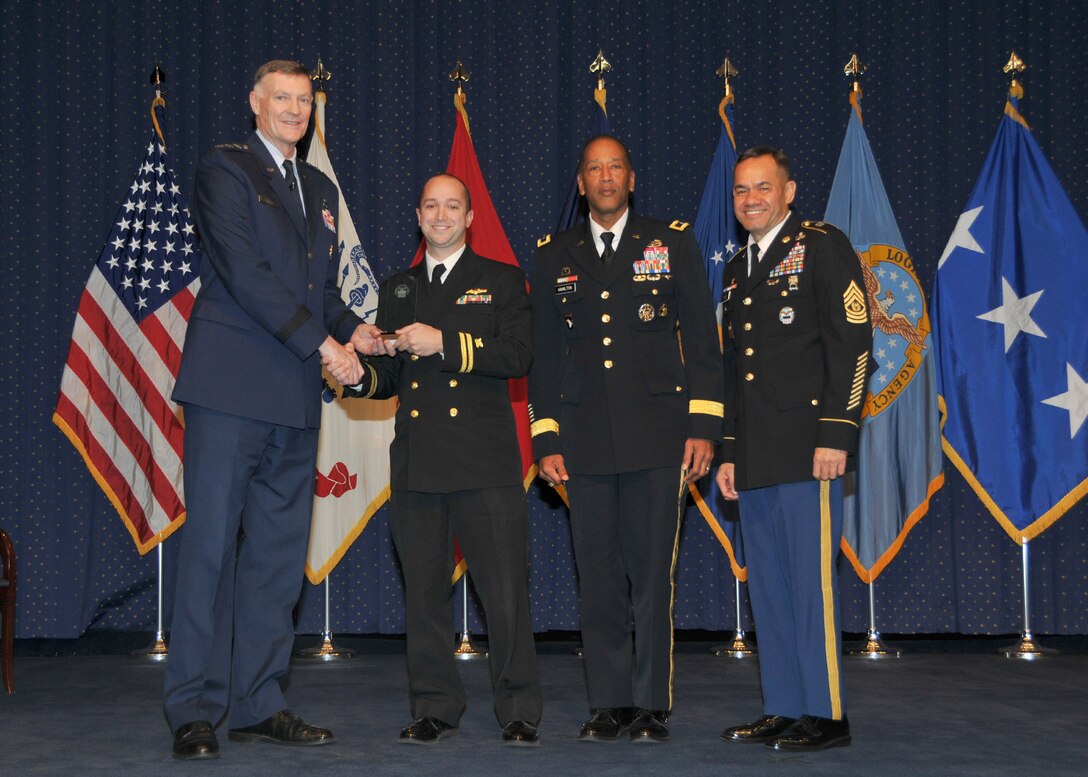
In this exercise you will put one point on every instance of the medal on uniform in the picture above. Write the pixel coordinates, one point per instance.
(786, 315)
(646, 312)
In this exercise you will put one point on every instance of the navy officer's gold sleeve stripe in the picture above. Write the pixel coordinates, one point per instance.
(468, 351)
(705, 406)
(840, 421)
(373, 381)
(543, 426)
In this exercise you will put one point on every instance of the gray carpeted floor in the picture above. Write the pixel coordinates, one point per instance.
(925, 714)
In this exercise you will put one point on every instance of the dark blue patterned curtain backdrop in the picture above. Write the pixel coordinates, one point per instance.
(77, 116)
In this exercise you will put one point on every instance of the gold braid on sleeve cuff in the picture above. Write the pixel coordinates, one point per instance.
(543, 426)
(373, 381)
(468, 351)
(706, 407)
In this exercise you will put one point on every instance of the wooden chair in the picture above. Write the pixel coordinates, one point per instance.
(7, 606)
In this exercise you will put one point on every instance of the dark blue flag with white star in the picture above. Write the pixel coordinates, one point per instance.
(574, 208)
(1012, 344)
(716, 233)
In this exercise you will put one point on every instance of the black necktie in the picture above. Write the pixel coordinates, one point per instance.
(608, 252)
(292, 184)
(753, 258)
(436, 275)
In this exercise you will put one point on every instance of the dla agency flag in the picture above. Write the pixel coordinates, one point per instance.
(114, 402)
(716, 233)
(573, 208)
(1009, 315)
(899, 447)
(353, 445)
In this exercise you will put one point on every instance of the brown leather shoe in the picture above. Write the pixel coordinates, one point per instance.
(427, 731)
(812, 733)
(195, 741)
(650, 726)
(606, 725)
(767, 727)
(283, 728)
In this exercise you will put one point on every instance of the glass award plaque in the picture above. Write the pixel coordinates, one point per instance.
(397, 303)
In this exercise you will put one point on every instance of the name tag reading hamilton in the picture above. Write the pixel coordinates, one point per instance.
(397, 299)
(565, 284)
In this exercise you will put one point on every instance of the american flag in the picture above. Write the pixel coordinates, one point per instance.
(114, 402)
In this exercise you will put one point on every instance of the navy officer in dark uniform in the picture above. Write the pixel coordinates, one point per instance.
(456, 465)
(267, 315)
(625, 421)
(796, 359)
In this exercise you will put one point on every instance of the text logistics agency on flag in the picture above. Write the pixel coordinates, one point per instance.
(114, 402)
(899, 446)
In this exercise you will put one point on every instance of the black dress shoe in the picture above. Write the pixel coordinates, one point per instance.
(606, 725)
(283, 728)
(767, 727)
(195, 740)
(519, 733)
(650, 726)
(812, 733)
(427, 731)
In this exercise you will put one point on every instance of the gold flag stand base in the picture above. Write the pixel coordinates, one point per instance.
(874, 648)
(158, 651)
(739, 647)
(327, 651)
(1027, 649)
(465, 650)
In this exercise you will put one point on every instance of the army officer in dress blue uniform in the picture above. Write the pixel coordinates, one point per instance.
(625, 421)
(796, 357)
(456, 464)
(267, 314)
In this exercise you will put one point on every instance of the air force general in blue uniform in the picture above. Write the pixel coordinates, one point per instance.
(796, 356)
(250, 382)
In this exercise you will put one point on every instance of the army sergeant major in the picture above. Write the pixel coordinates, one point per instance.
(625, 422)
(796, 357)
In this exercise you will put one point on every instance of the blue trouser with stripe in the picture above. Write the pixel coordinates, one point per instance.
(792, 533)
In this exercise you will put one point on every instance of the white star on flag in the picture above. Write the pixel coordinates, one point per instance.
(1075, 400)
(717, 257)
(1014, 314)
(961, 235)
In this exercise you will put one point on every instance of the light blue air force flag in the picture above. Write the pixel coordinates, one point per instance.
(1008, 304)
(716, 233)
(899, 448)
